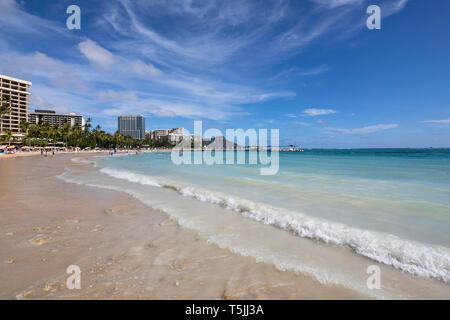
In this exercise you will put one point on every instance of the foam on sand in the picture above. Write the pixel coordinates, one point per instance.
(406, 255)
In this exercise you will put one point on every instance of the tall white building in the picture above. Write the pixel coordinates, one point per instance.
(132, 125)
(18, 92)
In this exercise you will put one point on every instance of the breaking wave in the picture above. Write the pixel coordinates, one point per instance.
(413, 257)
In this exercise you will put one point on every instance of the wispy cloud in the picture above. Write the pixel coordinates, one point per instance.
(14, 19)
(143, 69)
(96, 54)
(442, 121)
(111, 95)
(302, 123)
(365, 130)
(312, 112)
(337, 3)
(212, 62)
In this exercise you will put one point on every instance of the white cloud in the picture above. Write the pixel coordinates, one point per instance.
(118, 96)
(303, 124)
(47, 97)
(365, 130)
(314, 71)
(442, 121)
(37, 102)
(14, 19)
(336, 3)
(96, 54)
(38, 64)
(143, 69)
(160, 112)
(290, 115)
(312, 112)
(196, 68)
(390, 8)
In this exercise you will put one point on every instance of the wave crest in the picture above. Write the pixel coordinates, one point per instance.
(415, 258)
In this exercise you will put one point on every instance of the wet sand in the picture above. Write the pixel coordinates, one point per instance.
(19, 154)
(125, 250)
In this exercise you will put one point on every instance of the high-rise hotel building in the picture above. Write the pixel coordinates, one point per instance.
(18, 92)
(132, 125)
(53, 118)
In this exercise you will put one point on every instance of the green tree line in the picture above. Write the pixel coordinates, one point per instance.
(44, 134)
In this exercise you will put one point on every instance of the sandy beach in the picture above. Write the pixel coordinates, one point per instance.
(20, 154)
(125, 250)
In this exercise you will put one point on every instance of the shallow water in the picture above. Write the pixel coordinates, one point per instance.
(359, 206)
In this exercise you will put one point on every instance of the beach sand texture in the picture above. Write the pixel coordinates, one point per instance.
(125, 250)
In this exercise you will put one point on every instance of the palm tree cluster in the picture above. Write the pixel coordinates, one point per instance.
(5, 108)
(44, 134)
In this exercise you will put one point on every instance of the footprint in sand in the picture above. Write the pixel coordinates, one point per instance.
(39, 240)
(47, 287)
(97, 228)
(23, 295)
(119, 209)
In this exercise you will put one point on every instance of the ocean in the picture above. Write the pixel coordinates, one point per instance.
(327, 213)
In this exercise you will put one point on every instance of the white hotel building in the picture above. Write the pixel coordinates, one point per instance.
(18, 91)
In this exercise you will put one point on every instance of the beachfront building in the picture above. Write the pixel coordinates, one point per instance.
(173, 136)
(132, 125)
(196, 141)
(177, 131)
(18, 92)
(53, 118)
(159, 134)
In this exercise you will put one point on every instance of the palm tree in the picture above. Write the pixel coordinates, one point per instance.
(8, 136)
(87, 126)
(65, 132)
(43, 133)
(55, 130)
(5, 108)
(118, 139)
(96, 134)
(24, 126)
(76, 133)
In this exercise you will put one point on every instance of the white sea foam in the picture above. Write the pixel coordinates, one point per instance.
(132, 177)
(415, 258)
(81, 160)
(281, 264)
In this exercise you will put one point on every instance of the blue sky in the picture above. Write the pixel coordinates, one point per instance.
(309, 68)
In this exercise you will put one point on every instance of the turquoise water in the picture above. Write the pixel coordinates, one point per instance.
(384, 189)
(389, 205)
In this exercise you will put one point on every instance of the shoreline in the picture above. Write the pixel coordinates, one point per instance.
(125, 249)
(37, 153)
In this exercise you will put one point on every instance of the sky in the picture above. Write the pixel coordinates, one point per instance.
(311, 68)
